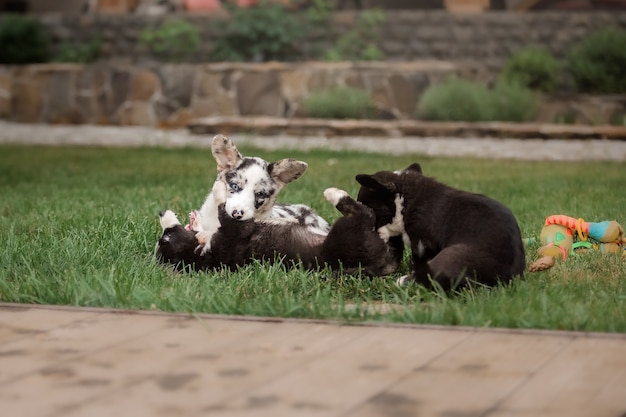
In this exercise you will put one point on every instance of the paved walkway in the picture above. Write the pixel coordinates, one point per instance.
(525, 149)
(61, 361)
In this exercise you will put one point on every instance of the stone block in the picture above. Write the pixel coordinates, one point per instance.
(119, 85)
(220, 105)
(323, 78)
(295, 89)
(430, 33)
(27, 96)
(178, 83)
(144, 86)
(178, 119)
(6, 85)
(208, 84)
(295, 84)
(259, 94)
(60, 98)
(116, 6)
(137, 113)
(404, 94)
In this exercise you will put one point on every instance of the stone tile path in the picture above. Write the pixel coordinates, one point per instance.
(62, 361)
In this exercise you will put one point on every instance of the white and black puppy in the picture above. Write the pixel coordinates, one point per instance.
(178, 246)
(253, 185)
(456, 237)
(351, 245)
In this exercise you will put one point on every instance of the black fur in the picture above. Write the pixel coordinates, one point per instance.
(466, 237)
(351, 245)
(177, 247)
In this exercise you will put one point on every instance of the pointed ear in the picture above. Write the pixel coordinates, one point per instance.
(287, 170)
(377, 182)
(415, 167)
(225, 153)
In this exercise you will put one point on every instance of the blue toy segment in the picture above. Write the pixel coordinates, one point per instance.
(598, 230)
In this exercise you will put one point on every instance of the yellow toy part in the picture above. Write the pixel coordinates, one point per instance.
(557, 241)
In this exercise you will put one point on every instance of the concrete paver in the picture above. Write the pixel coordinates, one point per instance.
(503, 148)
(63, 361)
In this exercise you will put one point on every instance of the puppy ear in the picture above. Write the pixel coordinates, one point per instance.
(225, 153)
(287, 170)
(377, 182)
(415, 167)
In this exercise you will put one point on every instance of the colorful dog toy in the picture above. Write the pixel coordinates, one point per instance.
(562, 235)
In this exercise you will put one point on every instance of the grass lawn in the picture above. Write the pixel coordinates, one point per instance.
(78, 227)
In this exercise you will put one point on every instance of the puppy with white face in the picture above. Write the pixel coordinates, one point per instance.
(252, 186)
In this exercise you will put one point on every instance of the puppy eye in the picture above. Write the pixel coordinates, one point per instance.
(233, 186)
(260, 195)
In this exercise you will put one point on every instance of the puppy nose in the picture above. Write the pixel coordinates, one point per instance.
(161, 213)
(237, 214)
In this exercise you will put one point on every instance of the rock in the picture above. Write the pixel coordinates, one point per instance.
(258, 93)
(144, 85)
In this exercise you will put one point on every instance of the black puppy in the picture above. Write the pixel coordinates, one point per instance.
(177, 246)
(456, 237)
(352, 243)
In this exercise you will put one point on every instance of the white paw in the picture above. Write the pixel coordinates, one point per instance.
(384, 233)
(403, 280)
(333, 195)
(204, 249)
(204, 238)
(168, 219)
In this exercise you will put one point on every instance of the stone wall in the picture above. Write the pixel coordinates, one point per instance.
(173, 94)
(407, 35)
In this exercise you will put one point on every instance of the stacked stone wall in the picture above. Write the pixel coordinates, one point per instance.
(173, 94)
(487, 38)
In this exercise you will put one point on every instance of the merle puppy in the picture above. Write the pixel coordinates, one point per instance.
(352, 244)
(456, 237)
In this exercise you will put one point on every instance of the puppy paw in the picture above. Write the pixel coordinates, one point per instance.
(333, 195)
(404, 280)
(203, 238)
(168, 219)
(384, 233)
(194, 221)
(203, 249)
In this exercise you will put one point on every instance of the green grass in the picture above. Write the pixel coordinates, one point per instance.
(78, 227)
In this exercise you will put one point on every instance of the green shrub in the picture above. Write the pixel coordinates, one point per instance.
(455, 100)
(264, 32)
(533, 67)
(598, 63)
(174, 40)
(23, 40)
(459, 100)
(513, 102)
(85, 52)
(339, 103)
(359, 44)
